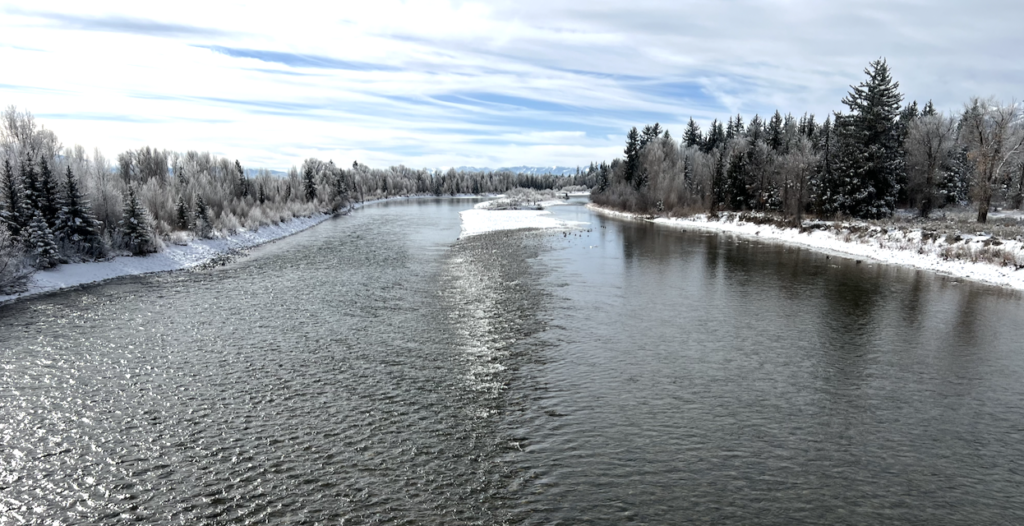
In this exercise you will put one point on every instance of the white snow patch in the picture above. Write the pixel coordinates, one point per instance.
(173, 257)
(894, 247)
(480, 220)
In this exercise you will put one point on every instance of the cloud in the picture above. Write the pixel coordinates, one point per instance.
(497, 83)
(298, 60)
(119, 24)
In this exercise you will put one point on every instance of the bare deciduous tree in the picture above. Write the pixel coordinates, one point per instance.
(994, 136)
(930, 141)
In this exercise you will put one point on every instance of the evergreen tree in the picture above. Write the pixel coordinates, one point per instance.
(75, 222)
(202, 224)
(12, 213)
(870, 159)
(261, 194)
(692, 135)
(183, 216)
(136, 233)
(773, 132)
(650, 134)
(48, 195)
(755, 130)
(243, 181)
(719, 190)
(29, 201)
(928, 110)
(40, 242)
(632, 151)
(736, 181)
(715, 138)
(309, 179)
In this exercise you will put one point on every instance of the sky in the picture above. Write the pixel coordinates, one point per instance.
(435, 83)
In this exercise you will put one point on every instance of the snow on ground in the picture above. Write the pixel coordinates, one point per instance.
(482, 219)
(898, 247)
(173, 257)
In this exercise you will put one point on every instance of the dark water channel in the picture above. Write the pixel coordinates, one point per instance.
(376, 370)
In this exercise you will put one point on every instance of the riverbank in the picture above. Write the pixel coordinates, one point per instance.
(193, 253)
(992, 254)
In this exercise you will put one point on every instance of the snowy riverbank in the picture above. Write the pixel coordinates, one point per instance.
(172, 257)
(489, 217)
(979, 256)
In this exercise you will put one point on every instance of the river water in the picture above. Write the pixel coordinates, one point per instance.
(377, 369)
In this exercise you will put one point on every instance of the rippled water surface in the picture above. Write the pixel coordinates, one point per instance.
(377, 369)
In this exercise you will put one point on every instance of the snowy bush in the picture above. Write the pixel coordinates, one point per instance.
(14, 265)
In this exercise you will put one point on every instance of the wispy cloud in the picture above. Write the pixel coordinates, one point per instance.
(298, 60)
(118, 24)
(500, 83)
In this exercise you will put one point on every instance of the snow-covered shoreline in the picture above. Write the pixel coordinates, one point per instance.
(172, 257)
(909, 248)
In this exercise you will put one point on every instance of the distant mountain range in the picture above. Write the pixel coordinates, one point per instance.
(533, 170)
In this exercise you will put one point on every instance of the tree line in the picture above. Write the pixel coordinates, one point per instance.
(60, 205)
(864, 163)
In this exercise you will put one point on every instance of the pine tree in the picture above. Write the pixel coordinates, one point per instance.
(692, 135)
(135, 230)
(40, 242)
(928, 110)
(774, 132)
(870, 159)
(29, 201)
(261, 194)
(310, 182)
(12, 214)
(75, 222)
(183, 214)
(736, 184)
(632, 151)
(202, 225)
(48, 195)
(243, 181)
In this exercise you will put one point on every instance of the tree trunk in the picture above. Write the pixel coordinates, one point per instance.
(983, 208)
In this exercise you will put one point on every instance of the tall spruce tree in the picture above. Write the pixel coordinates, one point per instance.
(309, 182)
(11, 214)
(201, 224)
(48, 195)
(183, 216)
(774, 132)
(136, 233)
(692, 135)
(75, 222)
(632, 151)
(870, 160)
(40, 242)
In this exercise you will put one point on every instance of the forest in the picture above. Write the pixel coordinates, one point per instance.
(879, 156)
(61, 205)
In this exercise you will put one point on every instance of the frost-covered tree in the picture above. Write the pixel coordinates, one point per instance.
(994, 136)
(11, 213)
(183, 214)
(201, 223)
(76, 225)
(40, 242)
(134, 228)
(14, 266)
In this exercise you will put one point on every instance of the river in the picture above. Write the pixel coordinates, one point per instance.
(378, 369)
